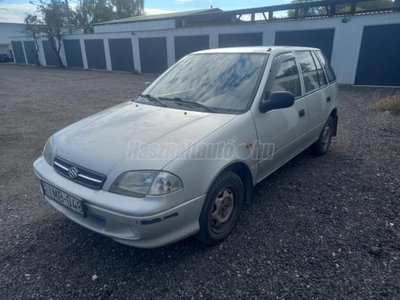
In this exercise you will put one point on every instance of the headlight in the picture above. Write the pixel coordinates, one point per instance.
(48, 153)
(165, 183)
(142, 183)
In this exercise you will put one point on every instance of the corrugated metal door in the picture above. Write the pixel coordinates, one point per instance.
(379, 60)
(188, 44)
(73, 53)
(153, 55)
(18, 52)
(30, 51)
(49, 54)
(95, 54)
(121, 55)
(240, 40)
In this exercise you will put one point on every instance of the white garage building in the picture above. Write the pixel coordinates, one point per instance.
(362, 46)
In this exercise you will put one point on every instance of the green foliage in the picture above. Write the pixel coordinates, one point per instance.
(93, 11)
(52, 18)
(90, 12)
(128, 8)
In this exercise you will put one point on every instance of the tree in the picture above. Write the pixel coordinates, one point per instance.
(128, 8)
(33, 28)
(93, 11)
(89, 12)
(53, 19)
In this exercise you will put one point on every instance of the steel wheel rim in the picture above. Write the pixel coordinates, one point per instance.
(222, 210)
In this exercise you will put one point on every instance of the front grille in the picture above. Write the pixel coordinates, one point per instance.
(79, 174)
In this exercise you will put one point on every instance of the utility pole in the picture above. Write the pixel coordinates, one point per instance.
(68, 17)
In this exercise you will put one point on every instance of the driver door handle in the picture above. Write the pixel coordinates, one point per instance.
(302, 113)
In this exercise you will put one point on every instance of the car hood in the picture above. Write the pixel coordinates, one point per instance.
(114, 140)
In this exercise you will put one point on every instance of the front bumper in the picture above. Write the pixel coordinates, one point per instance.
(140, 222)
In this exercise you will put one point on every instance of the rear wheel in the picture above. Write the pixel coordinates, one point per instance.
(321, 146)
(221, 208)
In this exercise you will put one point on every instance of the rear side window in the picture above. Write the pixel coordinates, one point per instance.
(325, 64)
(320, 71)
(309, 71)
(288, 79)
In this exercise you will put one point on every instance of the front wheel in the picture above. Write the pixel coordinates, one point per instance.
(221, 208)
(321, 146)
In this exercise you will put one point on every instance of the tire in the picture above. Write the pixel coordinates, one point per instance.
(321, 146)
(221, 208)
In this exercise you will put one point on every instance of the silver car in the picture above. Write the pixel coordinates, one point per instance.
(182, 157)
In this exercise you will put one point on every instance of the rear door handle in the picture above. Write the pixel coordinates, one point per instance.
(302, 113)
(328, 99)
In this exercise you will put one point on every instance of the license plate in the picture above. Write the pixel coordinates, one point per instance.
(63, 198)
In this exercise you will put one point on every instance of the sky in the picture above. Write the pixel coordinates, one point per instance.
(15, 9)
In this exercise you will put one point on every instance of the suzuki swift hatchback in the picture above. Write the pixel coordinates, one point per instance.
(180, 159)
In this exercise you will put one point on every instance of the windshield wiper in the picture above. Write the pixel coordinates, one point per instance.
(180, 101)
(152, 99)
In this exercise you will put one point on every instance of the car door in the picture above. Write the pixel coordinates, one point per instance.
(281, 132)
(318, 94)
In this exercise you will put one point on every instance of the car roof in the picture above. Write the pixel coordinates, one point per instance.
(256, 49)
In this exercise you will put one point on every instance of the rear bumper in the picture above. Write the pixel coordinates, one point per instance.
(139, 222)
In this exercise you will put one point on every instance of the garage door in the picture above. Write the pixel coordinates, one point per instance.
(188, 44)
(18, 52)
(121, 55)
(240, 39)
(49, 54)
(95, 55)
(73, 53)
(153, 55)
(319, 38)
(379, 61)
(30, 51)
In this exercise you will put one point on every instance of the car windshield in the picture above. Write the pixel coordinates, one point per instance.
(216, 82)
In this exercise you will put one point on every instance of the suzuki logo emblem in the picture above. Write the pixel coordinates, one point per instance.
(73, 172)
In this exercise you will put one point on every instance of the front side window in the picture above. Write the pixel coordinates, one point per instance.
(219, 82)
(309, 71)
(288, 79)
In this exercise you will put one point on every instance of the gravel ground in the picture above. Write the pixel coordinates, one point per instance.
(322, 228)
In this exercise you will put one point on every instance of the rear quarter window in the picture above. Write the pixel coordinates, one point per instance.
(321, 73)
(325, 64)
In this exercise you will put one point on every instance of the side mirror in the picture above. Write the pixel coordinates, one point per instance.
(277, 100)
(146, 84)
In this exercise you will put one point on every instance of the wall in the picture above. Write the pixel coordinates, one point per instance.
(346, 44)
(138, 26)
(7, 30)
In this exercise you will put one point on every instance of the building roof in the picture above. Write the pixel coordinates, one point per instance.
(161, 16)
